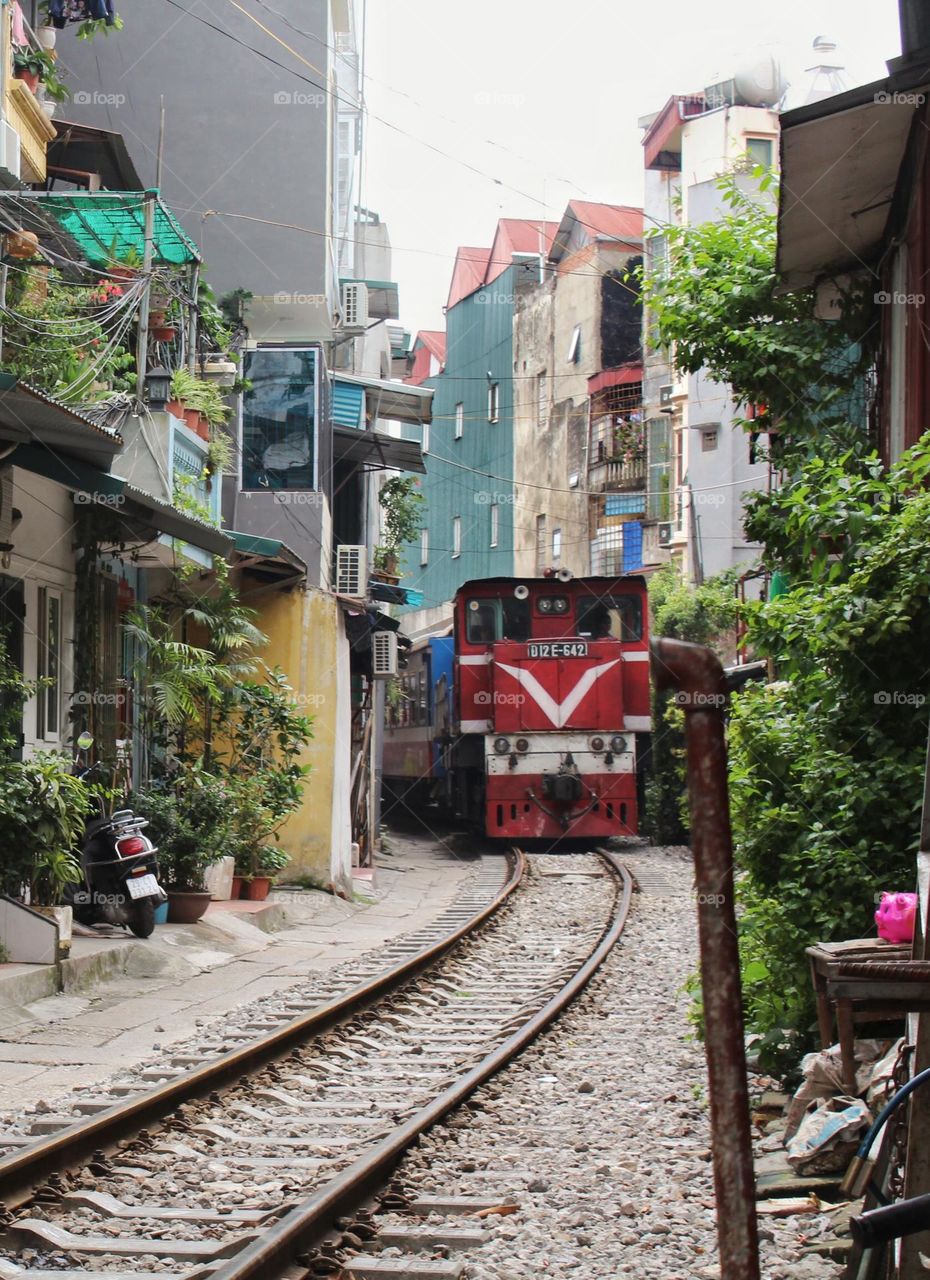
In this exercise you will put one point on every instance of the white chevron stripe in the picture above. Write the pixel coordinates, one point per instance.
(558, 712)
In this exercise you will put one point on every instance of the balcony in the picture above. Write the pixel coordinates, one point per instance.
(620, 474)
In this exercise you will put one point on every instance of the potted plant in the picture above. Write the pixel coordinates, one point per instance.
(189, 821)
(28, 66)
(51, 89)
(125, 265)
(269, 861)
(201, 402)
(402, 504)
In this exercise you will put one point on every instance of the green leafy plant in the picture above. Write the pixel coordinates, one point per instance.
(42, 811)
(190, 822)
(197, 393)
(402, 504)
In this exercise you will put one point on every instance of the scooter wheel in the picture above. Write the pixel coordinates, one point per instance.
(142, 920)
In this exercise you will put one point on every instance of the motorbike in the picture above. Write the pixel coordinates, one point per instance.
(120, 868)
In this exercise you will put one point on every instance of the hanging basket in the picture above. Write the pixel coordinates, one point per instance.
(21, 244)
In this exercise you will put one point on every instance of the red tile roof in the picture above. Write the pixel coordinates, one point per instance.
(619, 222)
(518, 235)
(429, 343)
(468, 273)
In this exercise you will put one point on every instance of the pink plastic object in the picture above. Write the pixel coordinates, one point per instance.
(895, 917)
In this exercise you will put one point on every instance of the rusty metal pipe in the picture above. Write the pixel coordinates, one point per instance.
(697, 676)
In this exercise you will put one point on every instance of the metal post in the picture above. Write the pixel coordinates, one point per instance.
(142, 344)
(698, 676)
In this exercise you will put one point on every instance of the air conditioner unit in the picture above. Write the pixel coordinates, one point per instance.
(9, 149)
(355, 305)
(665, 534)
(352, 571)
(383, 654)
(665, 395)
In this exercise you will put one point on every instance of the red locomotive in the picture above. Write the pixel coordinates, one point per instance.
(530, 720)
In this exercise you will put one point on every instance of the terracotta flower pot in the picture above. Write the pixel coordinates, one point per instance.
(236, 890)
(259, 887)
(163, 332)
(176, 408)
(186, 907)
(122, 273)
(194, 420)
(29, 78)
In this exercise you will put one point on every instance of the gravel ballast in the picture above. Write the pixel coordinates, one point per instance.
(600, 1132)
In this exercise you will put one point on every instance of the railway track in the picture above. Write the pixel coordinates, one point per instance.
(239, 1168)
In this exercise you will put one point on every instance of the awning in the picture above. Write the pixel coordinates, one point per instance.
(840, 160)
(348, 405)
(388, 593)
(397, 400)
(83, 149)
(383, 300)
(108, 224)
(377, 450)
(29, 416)
(139, 515)
(265, 555)
(623, 377)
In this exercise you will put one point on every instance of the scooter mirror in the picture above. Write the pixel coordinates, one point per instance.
(85, 741)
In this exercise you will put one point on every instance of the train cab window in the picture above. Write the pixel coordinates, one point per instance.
(516, 619)
(611, 618)
(492, 620)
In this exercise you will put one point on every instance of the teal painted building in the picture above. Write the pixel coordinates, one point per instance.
(468, 528)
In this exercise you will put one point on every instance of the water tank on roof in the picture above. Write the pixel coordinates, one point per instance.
(760, 81)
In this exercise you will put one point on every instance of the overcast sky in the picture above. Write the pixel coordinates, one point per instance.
(541, 99)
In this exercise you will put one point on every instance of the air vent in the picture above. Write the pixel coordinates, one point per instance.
(383, 654)
(355, 305)
(351, 571)
(665, 534)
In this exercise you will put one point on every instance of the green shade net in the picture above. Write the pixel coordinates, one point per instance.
(108, 224)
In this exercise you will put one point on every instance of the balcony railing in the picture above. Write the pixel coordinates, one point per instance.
(617, 475)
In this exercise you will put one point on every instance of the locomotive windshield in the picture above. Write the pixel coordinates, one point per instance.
(611, 617)
(492, 620)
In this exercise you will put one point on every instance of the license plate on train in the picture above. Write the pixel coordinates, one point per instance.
(558, 649)
(143, 887)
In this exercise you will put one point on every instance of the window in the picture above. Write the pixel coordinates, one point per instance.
(279, 418)
(759, 151)
(48, 665)
(542, 399)
(574, 347)
(611, 617)
(456, 536)
(494, 402)
(490, 620)
(424, 546)
(459, 420)
(495, 523)
(541, 543)
(425, 442)
(556, 545)
(708, 439)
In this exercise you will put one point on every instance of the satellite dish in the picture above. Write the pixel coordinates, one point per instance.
(521, 592)
(760, 81)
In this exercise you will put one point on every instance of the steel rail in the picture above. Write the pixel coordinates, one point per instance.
(23, 1171)
(267, 1257)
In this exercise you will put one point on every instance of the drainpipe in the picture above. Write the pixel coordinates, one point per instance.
(698, 677)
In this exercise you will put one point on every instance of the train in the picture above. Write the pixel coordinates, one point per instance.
(531, 719)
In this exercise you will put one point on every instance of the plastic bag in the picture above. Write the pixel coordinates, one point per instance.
(823, 1078)
(828, 1135)
(895, 917)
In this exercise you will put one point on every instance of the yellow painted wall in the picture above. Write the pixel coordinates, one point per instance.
(303, 629)
(23, 111)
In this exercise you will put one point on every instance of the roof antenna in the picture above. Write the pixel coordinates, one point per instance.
(161, 144)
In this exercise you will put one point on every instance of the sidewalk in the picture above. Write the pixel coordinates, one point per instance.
(125, 997)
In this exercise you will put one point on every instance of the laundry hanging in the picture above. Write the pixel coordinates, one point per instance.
(61, 12)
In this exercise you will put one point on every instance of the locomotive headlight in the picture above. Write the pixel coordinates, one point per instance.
(560, 605)
(545, 605)
(618, 743)
(501, 746)
(522, 745)
(596, 744)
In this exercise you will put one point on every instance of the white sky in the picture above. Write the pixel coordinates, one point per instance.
(543, 98)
